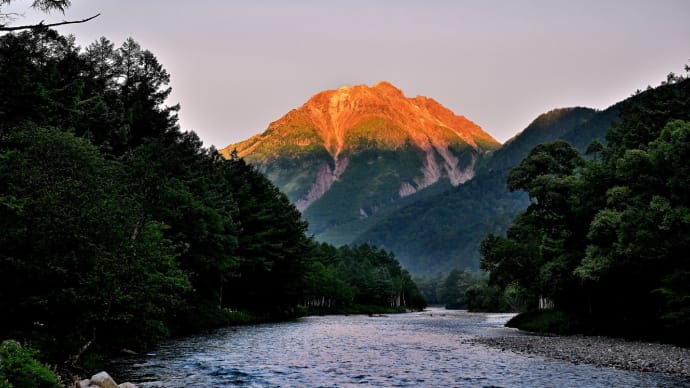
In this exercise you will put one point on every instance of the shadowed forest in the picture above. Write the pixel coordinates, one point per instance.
(119, 229)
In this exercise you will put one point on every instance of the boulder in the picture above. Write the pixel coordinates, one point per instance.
(102, 380)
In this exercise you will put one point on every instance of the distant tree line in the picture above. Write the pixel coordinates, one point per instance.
(470, 290)
(605, 239)
(118, 229)
(359, 275)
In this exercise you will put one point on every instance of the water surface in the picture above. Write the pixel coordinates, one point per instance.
(433, 349)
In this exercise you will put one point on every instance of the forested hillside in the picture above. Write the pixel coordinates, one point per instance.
(117, 228)
(442, 232)
(604, 240)
(554, 124)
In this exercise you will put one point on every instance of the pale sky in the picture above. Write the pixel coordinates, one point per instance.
(236, 66)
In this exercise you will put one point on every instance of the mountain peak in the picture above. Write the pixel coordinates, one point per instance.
(387, 87)
(363, 92)
(340, 127)
(345, 118)
(384, 84)
(380, 85)
(342, 118)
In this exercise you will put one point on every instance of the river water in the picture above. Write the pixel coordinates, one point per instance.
(435, 348)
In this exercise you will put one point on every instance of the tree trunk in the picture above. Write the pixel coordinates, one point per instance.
(220, 293)
(72, 360)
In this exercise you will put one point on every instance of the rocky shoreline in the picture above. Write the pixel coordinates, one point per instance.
(597, 351)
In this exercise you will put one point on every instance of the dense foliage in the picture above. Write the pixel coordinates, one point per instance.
(19, 368)
(118, 229)
(343, 278)
(605, 240)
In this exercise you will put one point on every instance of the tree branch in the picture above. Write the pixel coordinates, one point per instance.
(41, 25)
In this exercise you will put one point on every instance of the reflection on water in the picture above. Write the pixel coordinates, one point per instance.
(432, 349)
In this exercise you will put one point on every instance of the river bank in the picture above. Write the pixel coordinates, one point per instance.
(594, 350)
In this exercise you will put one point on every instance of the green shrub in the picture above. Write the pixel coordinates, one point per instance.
(544, 321)
(19, 368)
(4, 383)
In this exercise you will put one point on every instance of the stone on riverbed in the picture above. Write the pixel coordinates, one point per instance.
(102, 380)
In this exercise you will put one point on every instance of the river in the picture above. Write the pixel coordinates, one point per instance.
(434, 348)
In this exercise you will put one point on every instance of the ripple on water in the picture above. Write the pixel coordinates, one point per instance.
(406, 350)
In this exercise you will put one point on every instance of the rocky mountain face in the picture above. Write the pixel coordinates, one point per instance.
(350, 156)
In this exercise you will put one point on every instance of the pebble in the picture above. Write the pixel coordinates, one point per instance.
(598, 351)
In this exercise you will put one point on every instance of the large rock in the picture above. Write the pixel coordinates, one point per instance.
(103, 380)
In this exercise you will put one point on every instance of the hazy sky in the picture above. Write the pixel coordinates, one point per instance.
(236, 66)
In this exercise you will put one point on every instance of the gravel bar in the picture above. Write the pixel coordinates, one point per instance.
(598, 351)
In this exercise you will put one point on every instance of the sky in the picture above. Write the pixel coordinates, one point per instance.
(236, 66)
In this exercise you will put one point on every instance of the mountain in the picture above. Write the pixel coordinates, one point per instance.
(546, 127)
(350, 156)
(443, 231)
